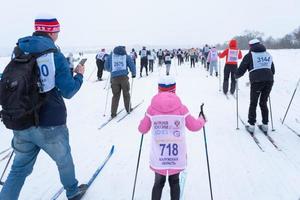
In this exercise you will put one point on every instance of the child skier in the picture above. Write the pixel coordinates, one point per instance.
(168, 117)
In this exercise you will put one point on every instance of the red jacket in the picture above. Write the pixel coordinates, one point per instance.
(232, 46)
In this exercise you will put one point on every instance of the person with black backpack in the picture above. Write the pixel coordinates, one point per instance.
(32, 89)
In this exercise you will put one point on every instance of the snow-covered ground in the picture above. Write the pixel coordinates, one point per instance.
(239, 169)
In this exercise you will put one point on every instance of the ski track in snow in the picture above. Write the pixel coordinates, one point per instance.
(239, 169)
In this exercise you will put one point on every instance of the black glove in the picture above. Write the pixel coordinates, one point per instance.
(133, 76)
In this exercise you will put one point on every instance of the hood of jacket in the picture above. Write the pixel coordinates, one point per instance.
(165, 102)
(233, 44)
(257, 47)
(36, 44)
(120, 50)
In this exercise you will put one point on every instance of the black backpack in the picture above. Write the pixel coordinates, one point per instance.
(19, 91)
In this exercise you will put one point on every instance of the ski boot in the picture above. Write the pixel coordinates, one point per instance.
(250, 128)
(263, 128)
(81, 191)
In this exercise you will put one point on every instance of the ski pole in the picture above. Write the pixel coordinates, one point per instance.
(290, 101)
(107, 81)
(219, 75)
(11, 154)
(237, 104)
(131, 88)
(106, 99)
(271, 113)
(92, 73)
(206, 151)
(137, 166)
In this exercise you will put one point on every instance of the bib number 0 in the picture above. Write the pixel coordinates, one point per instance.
(44, 70)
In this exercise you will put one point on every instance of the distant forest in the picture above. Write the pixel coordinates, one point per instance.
(289, 41)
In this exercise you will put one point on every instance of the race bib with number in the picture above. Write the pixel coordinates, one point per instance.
(100, 56)
(168, 149)
(118, 62)
(143, 53)
(261, 60)
(213, 56)
(47, 72)
(132, 55)
(167, 58)
(232, 55)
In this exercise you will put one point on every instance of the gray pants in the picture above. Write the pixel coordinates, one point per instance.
(168, 66)
(119, 84)
(213, 66)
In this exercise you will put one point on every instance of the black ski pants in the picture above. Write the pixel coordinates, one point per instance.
(261, 91)
(100, 66)
(229, 70)
(144, 64)
(192, 62)
(159, 184)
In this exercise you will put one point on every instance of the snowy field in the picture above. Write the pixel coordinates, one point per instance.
(239, 169)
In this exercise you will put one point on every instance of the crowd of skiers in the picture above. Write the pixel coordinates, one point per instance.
(258, 62)
(45, 128)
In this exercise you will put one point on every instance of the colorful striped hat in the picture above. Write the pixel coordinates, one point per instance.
(46, 23)
(167, 84)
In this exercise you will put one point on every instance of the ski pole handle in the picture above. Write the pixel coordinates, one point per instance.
(201, 112)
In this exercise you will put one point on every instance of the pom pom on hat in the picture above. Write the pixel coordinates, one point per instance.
(166, 84)
(46, 23)
(254, 41)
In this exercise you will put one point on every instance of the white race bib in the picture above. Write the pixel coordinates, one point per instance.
(118, 62)
(132, 55)
(232, 55)
(168, 149)
(143, 53)
(213, 55)
(261, 60)
(167, 58)
(47, 72)
(101, 55)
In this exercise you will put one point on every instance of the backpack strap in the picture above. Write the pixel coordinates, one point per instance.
(52, 50)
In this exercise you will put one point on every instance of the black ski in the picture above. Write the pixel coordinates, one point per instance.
(110, 119)
(91, 180)
(134, 107)
(268, 137)
(252, 135)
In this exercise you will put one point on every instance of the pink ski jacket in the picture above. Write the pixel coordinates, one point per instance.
(168, 103)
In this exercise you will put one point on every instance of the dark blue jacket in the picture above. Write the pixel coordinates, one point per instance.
(53, 111)
(120, 50)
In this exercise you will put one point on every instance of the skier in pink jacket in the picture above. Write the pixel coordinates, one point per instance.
(168, 117)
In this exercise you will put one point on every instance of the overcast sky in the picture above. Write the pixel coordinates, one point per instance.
(149, 22)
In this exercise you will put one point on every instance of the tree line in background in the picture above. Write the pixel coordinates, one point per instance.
(289, 41)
